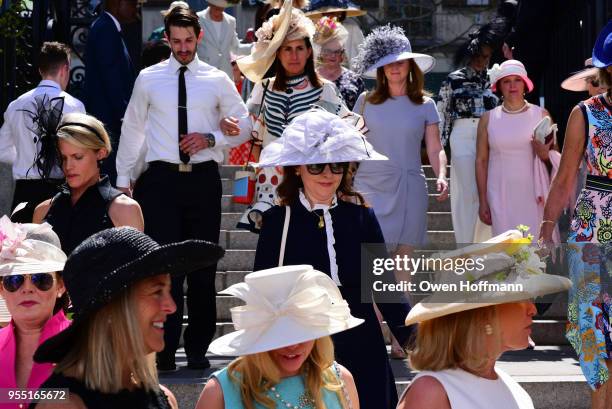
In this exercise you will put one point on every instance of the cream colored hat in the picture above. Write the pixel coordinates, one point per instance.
(576, 81)
(29, 249)
(224, 3)
(328, 29)
(502, 270)
(290, 24)
(174, 4)
(284, 306)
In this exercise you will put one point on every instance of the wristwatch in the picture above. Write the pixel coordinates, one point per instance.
(211, 139)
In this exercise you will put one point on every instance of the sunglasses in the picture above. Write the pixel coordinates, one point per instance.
(335, 167)
(42, 281)
(327, 51)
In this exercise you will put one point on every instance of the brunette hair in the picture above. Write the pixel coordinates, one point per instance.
(289, 189)
(605, 78)
(52, 57)
(414, 86)
(182, 17)
(280, 80)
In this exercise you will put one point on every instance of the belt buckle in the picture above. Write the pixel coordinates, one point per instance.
(184, 167)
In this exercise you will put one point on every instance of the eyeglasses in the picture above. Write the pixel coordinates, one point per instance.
(336, 168)
(42, 281)
(327, 51)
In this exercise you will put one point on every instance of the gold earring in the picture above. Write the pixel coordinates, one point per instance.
(488, 329)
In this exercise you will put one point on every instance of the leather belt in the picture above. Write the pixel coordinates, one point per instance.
(183, 167)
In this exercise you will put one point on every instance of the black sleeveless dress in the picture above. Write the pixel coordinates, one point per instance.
(89, 215)
(134, 399)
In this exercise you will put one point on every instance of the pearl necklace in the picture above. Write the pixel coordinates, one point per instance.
(508, 111)
(304, 401)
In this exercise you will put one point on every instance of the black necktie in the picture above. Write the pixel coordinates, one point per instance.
(182, 112)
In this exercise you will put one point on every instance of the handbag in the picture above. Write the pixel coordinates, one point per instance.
(281, 255)
(245, 179)
(543, 129)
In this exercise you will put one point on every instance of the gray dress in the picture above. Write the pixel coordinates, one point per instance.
(396, 188)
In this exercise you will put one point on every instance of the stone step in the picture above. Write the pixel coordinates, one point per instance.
(227, 186)
(435, 220)
(237, 260)
(245, 240)
(434, 206)
(550, 374)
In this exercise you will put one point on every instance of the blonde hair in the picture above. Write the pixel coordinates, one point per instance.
(109, 346)
(456, 341)
(84, 131)
(256, 373)
(414, 86)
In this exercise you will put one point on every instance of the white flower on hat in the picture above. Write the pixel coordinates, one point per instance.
(494, 73)
(11, 240)
(318, 136)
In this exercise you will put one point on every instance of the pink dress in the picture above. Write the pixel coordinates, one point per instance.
(8, 351)
(511, 189)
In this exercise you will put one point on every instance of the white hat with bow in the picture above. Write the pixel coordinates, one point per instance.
(284, 306)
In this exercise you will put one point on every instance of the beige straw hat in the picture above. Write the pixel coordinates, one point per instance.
(502, 280)
(290, 24)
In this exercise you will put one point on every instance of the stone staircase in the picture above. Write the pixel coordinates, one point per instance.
(550, 373)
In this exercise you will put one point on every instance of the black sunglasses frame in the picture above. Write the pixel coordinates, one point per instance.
(41, 281)
(336, 168)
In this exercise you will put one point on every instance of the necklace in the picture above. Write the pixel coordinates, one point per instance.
(508, 111)
(304, 401)
(321, 223)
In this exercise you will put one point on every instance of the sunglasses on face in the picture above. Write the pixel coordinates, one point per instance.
(327, 51)
(336, 168)
(42, 281)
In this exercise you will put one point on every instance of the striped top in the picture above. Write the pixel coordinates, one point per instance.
(280, 107)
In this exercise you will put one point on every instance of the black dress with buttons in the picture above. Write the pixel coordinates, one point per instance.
(89, 215)
(361, 349)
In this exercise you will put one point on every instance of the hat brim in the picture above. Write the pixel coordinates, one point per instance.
(284, 332)
(601, 59)
(222, 3)
(576, 82)
(12, 269)
(425, 62)
(176, 259)
(437, 304)
(350, 12)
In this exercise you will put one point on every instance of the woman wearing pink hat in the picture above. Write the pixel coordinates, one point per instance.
(589, 136)
(508, 157)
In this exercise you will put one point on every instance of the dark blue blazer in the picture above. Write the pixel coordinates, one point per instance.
(361, 349)
(109, 74)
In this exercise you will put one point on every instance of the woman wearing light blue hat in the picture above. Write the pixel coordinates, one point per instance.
(589, 136)
(399, 115)
(322, 222)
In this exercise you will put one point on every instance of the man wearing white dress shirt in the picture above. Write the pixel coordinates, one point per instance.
(178, 108)
(20, 144)
(220, 38)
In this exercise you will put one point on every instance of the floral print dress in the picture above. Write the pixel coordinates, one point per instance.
(589, 242)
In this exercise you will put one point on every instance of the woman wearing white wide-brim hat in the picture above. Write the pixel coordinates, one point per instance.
(461, 335)
(284, 43)
(323, 221)
(282, 338)
(400, 116)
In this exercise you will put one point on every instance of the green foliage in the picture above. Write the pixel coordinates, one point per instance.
(13, 25)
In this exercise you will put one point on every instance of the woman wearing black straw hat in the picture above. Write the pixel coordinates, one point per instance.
(119, 283)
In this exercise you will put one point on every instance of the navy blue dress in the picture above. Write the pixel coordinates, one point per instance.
(361, 349)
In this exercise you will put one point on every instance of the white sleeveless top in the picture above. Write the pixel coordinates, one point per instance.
(468, 391)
